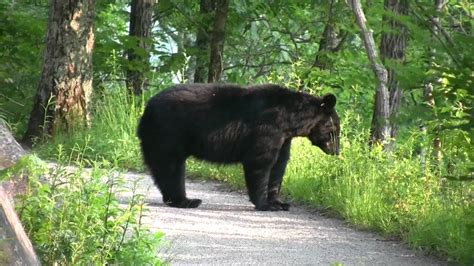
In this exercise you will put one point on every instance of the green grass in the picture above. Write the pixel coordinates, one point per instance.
(111, 137)
(391, 193)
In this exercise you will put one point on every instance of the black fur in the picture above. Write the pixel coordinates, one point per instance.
(230, 124)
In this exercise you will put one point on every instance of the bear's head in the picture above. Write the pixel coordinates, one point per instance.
(325, 134)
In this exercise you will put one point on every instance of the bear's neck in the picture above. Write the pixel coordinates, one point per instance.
(300, 119)
(297, 111)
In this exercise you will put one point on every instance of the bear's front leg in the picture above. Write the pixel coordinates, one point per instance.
(258, 164)
(276, 177)
(256, 179)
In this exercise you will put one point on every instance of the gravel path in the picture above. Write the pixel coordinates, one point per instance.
(226, 229)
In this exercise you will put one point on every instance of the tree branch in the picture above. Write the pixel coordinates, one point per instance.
(258, 65)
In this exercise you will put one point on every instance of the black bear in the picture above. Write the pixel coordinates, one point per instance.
(231, 124)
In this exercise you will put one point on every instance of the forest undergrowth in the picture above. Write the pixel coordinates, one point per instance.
(74, 217)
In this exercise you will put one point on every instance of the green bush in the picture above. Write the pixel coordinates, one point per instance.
(73, 217)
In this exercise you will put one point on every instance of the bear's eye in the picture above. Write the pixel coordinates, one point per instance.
(329, 129)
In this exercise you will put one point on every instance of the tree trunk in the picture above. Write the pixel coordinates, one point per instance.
(392, 47)
(188, 44)
(380, 129)
(141, 13)
(65, 86)
(330, 41)
(202, 41)
(428, 88)
(217, 41)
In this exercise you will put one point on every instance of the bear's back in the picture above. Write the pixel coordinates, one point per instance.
(199, 93)
(220, 101)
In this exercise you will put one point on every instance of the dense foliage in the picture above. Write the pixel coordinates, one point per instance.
(408, 192)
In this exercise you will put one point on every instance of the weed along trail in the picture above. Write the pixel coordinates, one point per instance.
(226, 229)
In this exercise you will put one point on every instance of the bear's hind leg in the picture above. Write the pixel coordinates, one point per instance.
(276, 177)
(169, 177)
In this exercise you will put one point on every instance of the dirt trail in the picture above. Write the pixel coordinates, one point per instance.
(226, 229)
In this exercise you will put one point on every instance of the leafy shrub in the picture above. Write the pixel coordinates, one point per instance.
(73, 217)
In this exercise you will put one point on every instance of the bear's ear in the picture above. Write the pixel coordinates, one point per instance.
(328, 102)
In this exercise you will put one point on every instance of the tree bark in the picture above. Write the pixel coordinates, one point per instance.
(203, 41)
(217, 41)
(380, 130)
(392, 47)
(65, 86)
(141, 13)
(428, 88)
(330, 42)
(188, 44)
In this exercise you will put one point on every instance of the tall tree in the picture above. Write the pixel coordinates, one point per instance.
(380, 130)
(141, 13)
(65, 86)
(392, 48)
(217, 41)
(428, 88)
(188, 43)
(202, 40)
(331, 39)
